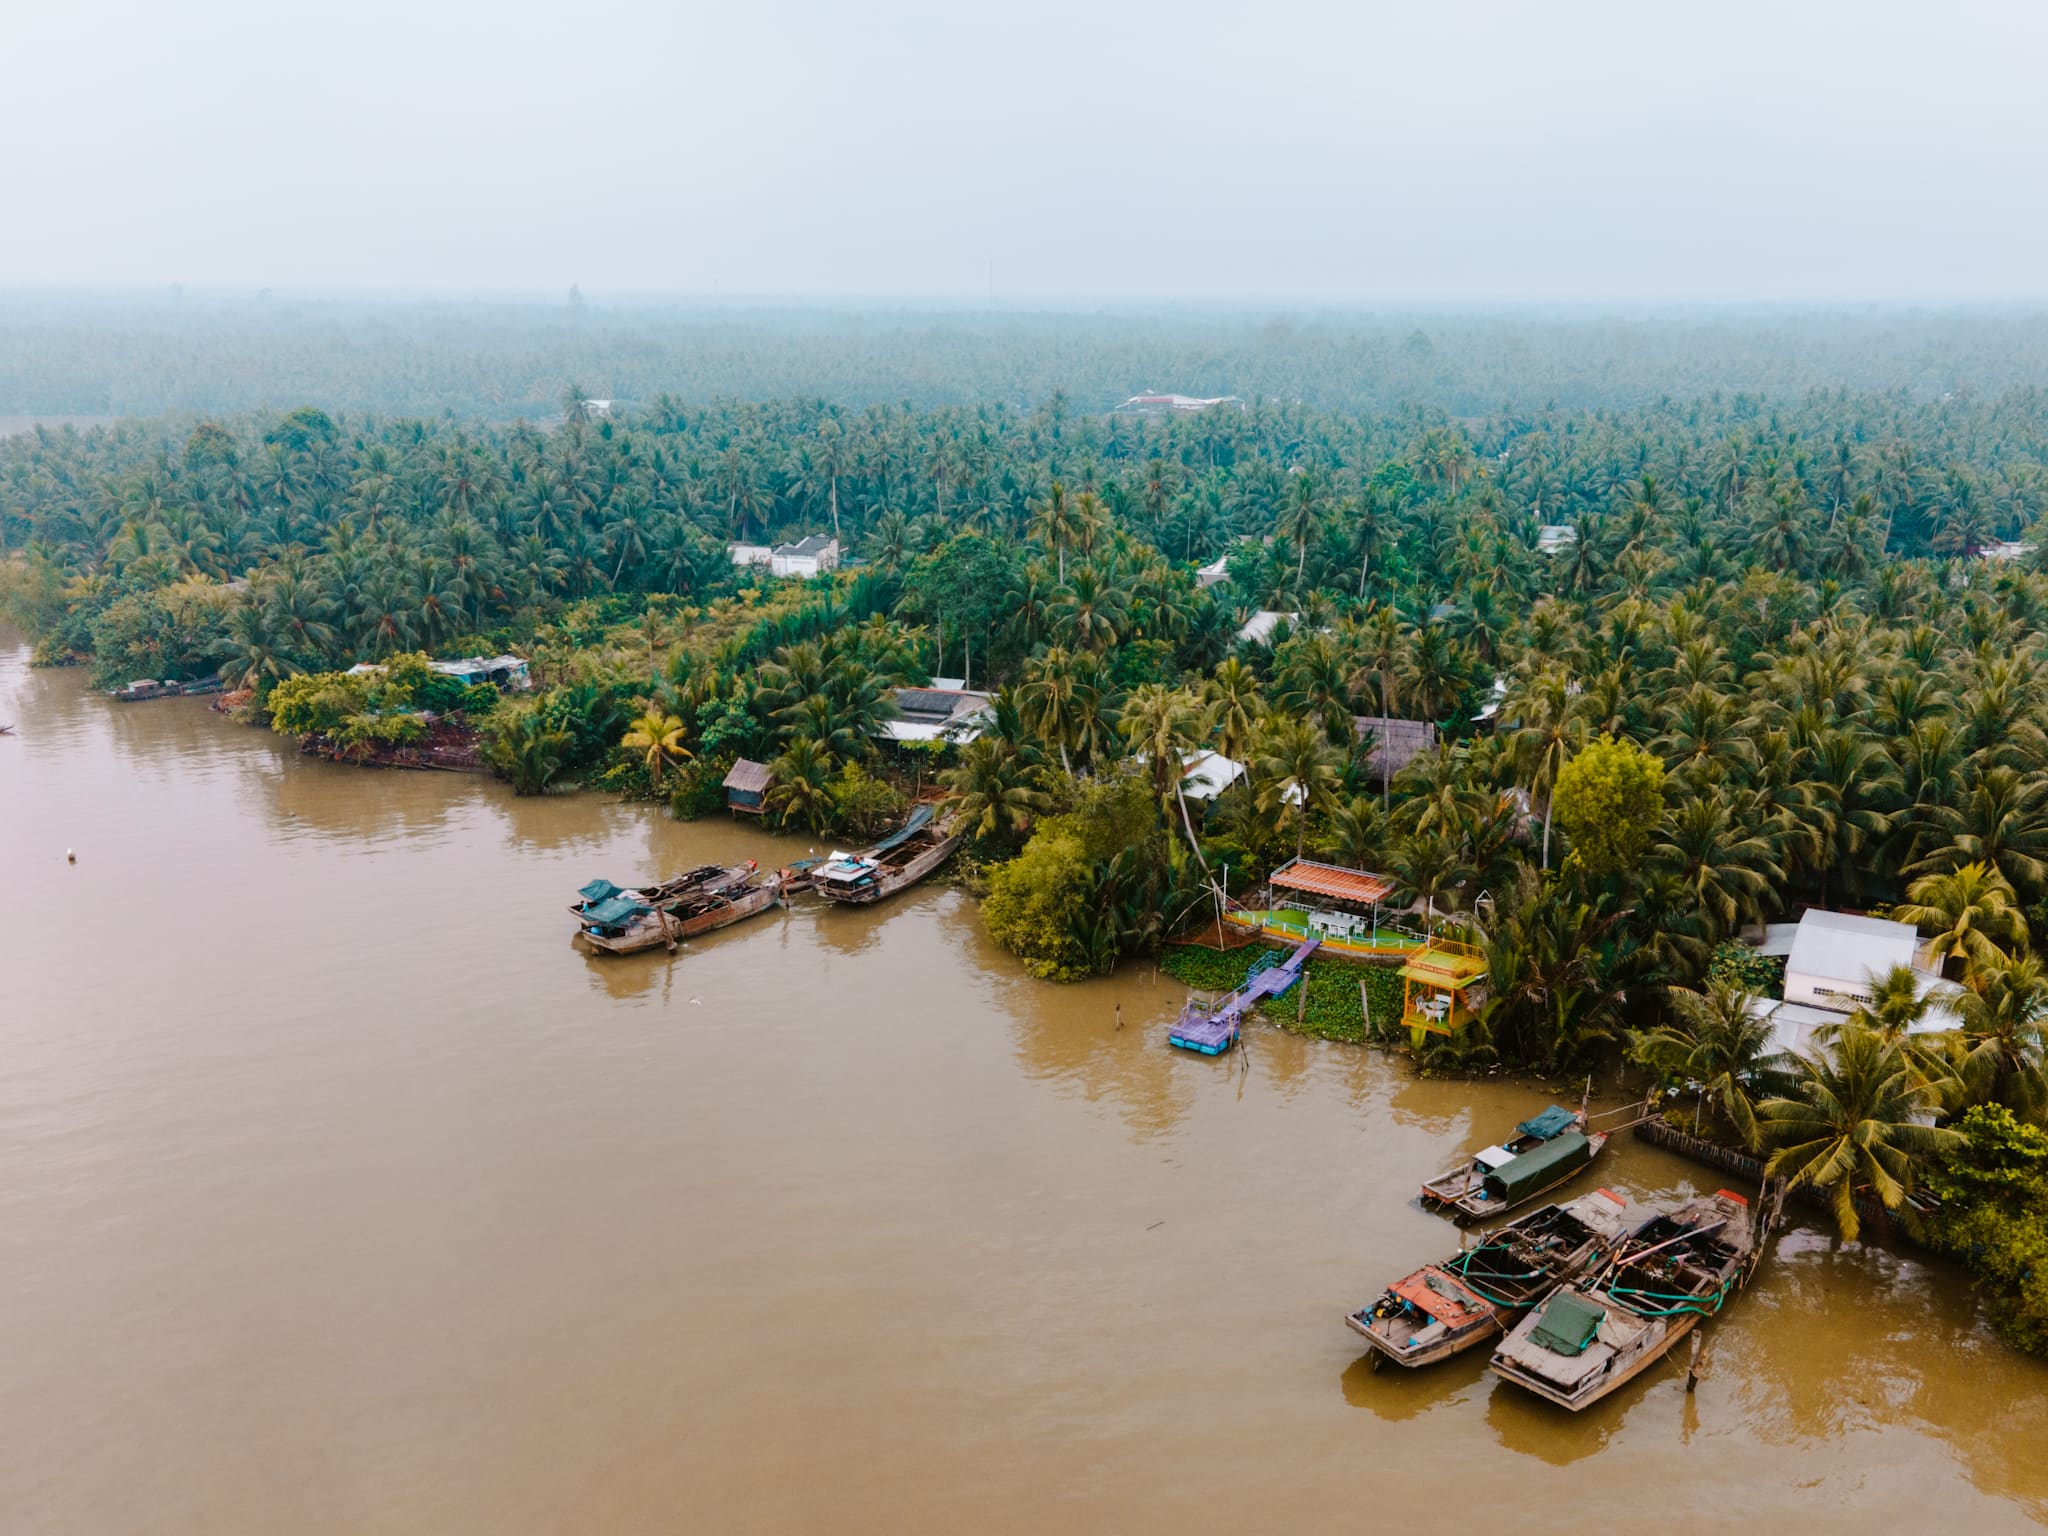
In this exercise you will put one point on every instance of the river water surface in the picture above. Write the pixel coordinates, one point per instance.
(340, 1194)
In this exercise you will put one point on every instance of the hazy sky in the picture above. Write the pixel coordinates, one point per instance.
(1442, 149)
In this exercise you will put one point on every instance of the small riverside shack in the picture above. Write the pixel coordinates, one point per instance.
(746, 787)
(1442, 986)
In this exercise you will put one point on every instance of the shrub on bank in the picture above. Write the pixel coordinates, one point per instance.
(1994, 1217)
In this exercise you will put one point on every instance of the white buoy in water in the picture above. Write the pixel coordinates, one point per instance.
(70, 857)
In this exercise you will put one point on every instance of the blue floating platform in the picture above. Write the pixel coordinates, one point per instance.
(1212, 1030)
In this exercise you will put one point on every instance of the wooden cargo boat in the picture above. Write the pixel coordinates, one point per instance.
(152, 688)
(1444, 1309)
(598, 892)
(897, 862)
(622, 925)
(1674, 1270)
(1545, 1151)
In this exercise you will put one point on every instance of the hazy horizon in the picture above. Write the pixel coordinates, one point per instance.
(1294, 155)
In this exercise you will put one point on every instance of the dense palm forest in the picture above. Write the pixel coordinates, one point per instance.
(1771, 665)
(503, 361)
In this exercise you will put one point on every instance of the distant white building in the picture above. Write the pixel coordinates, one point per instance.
(1552, 538)
(937, 713)
(752, 554)
(807, 557)
(1204, 775)
(1209, 575)
(2007, 549)
(1260, 626)
(509, 672)
(1160, 405)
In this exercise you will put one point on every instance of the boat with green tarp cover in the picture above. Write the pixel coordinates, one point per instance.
(1546, 1150)
(1674, 1270)
(1446, 1308)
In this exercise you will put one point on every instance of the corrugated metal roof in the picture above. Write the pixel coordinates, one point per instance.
(1331, 880)
(748, 777)
(1841, 946)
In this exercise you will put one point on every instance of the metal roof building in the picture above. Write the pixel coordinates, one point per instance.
(929, 714)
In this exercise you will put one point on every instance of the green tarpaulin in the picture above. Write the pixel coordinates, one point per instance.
(614, 911)
(1568, 1324)
(598, 890)
(1552, 1122)
(1539, 1168)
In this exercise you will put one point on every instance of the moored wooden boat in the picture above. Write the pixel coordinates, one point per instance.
(1672, 1272)
(1444, 1309)
(594, 895)
(622, 927)
(897, 862)
(1545, 1151)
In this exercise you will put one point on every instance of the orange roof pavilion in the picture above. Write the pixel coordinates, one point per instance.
(1332, 881)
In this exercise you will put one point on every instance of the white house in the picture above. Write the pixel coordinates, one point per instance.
(1833, 963)
(1260, 626)
(1210, 574)
(807, 557)
(1204, 775)
(752, 554)
(1832, 957)
(1554, 537)
(936, 713)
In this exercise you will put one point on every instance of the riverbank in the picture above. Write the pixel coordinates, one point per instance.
(436, 1225)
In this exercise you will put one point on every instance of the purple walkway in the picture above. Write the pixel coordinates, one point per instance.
(1211, 1030)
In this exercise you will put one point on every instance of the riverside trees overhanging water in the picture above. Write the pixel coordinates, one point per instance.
(1784, 608)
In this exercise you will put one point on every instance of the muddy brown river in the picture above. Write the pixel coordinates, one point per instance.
(340, 1194)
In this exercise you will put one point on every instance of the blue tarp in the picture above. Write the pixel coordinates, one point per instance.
(1552, 1122)
(918, 820)
(614, 911)
(598, 890)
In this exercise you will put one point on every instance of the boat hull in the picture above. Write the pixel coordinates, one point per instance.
(890, 881)
(1454, 1342)
(1472, 1204)
(1608, 1384)
(659, 931)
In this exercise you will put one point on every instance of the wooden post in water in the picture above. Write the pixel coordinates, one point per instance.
(1696, 1367)
(1119, 1015)
(1364, 1008)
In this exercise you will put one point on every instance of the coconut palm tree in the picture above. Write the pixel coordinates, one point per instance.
(2003, 1044)
(521, 744)
(1295, 767)
(1715, 1043)
(659, 735)
(800, 786)
(1237, 705)
(1972, 914)
(1855, 1124)
(1729, 868)
(993, 790)
(1164, 726)
(1547, 728)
